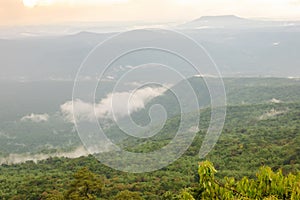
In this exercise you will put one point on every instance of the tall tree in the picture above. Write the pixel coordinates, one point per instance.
(86, 186)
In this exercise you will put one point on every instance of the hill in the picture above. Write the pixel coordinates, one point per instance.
(254, 136)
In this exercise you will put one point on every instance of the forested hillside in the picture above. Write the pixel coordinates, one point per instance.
(253, 136)
(149, 100)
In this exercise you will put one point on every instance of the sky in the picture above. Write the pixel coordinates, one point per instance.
(43, 12)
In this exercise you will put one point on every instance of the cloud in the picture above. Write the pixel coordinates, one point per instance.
(21, 158)
(272, 113)
(84, 111)
(113, 106)
(95, 2)
(36, 117)
(275, 100)
(32, 3)
(7, 136)
(13, 12)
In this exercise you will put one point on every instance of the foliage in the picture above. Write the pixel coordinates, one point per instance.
(85, 186)
(266, 185)
(254, 136)
(128, 195)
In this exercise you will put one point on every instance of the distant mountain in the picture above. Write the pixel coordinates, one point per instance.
(229, 21)
(240, 47)
(39, 58)
(221, 21)
(218, 18)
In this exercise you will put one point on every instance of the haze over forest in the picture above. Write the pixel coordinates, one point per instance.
(202, 94)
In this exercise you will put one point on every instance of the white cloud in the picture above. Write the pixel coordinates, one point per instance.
(21, 158)
(271, 113)
(36, 117)
(115, 105)
(275, 100)
(84, 111)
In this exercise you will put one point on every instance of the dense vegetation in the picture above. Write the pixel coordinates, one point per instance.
(56, 135)
(254, 136)
(266, 185)
(85, 185)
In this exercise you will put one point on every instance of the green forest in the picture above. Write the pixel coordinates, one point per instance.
(256, 157)
(150, 100)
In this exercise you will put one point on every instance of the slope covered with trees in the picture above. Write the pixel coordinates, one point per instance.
(254, 136)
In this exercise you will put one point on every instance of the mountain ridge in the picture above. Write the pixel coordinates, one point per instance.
(218, 17)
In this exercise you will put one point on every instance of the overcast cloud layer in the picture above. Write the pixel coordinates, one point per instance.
(29, 12)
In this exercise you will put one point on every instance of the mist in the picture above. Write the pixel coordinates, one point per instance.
(21, 158)
(114, 106)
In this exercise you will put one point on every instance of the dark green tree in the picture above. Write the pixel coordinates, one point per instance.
(128, 195)
(86, 186)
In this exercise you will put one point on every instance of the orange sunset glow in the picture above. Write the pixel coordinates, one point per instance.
(26, 12)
